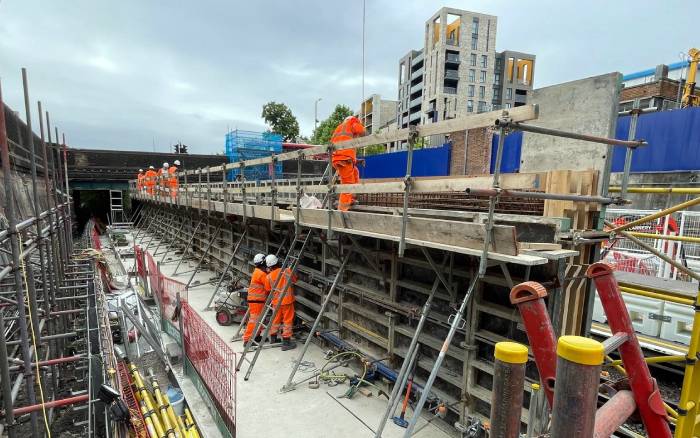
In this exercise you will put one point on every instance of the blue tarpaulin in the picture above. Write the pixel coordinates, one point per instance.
(512, 146)
(426, 162)
(673, 137)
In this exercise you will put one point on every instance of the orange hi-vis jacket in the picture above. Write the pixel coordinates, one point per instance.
(150, 178)
(257, 293)
(139, 181)
(172, 179)
(272, 278)
(349, 129)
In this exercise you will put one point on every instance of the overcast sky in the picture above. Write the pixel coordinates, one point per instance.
(128, 74)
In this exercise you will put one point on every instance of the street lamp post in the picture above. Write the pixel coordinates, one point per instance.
(316, 113)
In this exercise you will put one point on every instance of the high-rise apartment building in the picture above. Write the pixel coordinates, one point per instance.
(459, 72)
(377, 113)
(411, 70)
(512, 79)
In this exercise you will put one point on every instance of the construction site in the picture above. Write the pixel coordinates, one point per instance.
(554, 293)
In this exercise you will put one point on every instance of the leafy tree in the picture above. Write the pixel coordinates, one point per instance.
(281, 120)
(323, 133)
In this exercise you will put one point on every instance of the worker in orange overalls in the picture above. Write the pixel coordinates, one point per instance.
(139, 181)
(172, 181)
(162, 180)
(285, 315)
(257, 294)
(150, 180)
(345, 160)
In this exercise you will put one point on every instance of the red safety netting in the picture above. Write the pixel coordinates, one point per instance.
(214, 361)
(165, 289)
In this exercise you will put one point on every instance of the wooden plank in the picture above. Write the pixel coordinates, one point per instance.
(461, 234)
(535, 246)
(519, 114)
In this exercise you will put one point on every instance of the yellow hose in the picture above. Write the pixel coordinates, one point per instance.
(194, 430)
(151, 415)
(147, 400)
(150, 428)
(166, 412)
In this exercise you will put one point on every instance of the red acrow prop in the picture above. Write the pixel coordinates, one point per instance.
(646, 393)
(529, 297)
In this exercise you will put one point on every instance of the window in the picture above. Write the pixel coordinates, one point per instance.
(470, 91)
(482, 106)
(482, 92)
(484, 61)
(507, 105)
(470, 106)
(472, 75)
(496, 78)
(509, 93)
(475, 25)
(475, 41)
(402, 73)
(472, 59)
(482, 76)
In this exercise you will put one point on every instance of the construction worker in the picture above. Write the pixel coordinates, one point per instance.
(139, 181)
(345, 160)
(257, 294)
(285, 315)
(150, 180)
(162, 178)
(172, 181)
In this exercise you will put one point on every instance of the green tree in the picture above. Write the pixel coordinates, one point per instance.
(281, 120)
(323, 133)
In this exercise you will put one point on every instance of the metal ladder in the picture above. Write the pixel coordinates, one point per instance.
(226, 269)
(116, 206)
(291, 262)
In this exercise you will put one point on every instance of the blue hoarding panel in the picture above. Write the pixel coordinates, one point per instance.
(426, 162)
(673, 137)
(512, 147)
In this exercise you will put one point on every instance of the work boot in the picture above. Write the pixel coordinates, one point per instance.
(288, 344)
(258, 339)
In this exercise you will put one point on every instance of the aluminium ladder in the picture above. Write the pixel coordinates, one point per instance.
(116, 206)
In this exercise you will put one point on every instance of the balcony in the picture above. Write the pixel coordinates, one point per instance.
(417, 87)
(418, 73)
(452, 74)
(417, 59)
(415, 102)
(414, 116)
(450, 90)
(451, 59)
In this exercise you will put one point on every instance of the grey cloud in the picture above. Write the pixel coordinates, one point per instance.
(119, 74)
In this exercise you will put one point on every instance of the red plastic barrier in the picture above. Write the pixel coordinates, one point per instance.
(214, 361)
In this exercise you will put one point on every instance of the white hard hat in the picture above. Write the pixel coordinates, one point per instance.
(165, 165)
(259, 259)
(140, 170)
(271, 260)
(177, 162)
(151, 167)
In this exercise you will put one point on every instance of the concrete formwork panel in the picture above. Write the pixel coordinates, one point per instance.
(585, 106)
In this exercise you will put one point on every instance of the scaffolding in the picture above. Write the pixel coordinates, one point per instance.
(278, 201)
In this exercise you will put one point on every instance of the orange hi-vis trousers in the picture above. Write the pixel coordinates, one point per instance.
(349, 174)
(255, 312)
(284, 318)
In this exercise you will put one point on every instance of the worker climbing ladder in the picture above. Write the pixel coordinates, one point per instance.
(244, 320)
(289, 267)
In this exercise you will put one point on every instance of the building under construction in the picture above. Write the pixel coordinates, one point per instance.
(446, 306)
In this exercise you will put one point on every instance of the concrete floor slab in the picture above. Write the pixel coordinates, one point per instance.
(261, 410)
